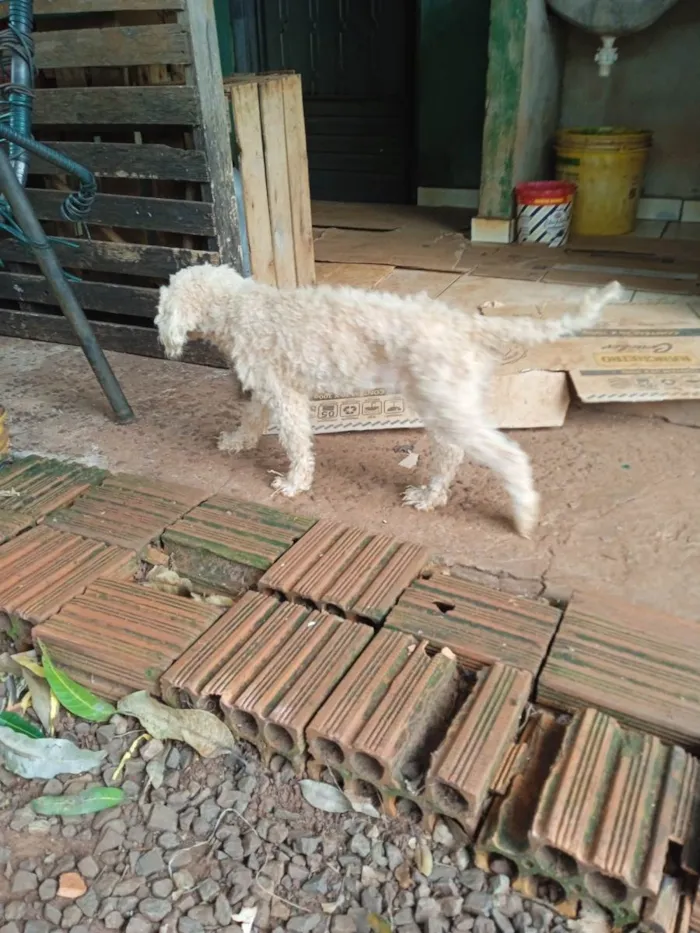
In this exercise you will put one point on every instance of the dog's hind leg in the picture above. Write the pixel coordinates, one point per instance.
(254, 422)
(293, 415)
(446, 458)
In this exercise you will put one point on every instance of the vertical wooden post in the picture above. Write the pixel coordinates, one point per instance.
(214, 131)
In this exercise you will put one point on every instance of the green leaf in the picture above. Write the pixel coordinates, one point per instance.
(20, 724)
(72, 696)
(90, 800)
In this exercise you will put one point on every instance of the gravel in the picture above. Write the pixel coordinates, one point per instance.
(222, 838)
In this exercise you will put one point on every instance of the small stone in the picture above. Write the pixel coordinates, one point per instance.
(502, 866)
(138, 925)
(464, 925)
(183, 880)
(451, 906)
(16, 910)
(316, 885)
(110, 839)
(442, 835)
(303, 923)
(71, 917)
(23, 882)
(403, 917)
(484, 925)
(436, 925)
(426, 908)
(113, 920)
(154, 909)
(461, 858)
(36, 926)
(222, 911)
(162, 819)
(372, 901)
(89, 903)
(307, 845)
(478, 903)
(394, 856)
(150, 863)
(361, 846)
(502, 922)
(541, 916)
(162, 888)
(233, 847)
(522, 922)
(152, 749)
(474, 879)
(499, 884)
(71, 886)
(53, 915)
(510, 905)
(203, 914)
(344, 923)
(88, 867)
(47, 889)
(169, 840)
(9, 928)
(188, 925)
(208, 890)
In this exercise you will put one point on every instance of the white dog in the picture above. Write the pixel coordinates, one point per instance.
(286, 346)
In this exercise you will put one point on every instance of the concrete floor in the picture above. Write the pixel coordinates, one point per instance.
(620, 492)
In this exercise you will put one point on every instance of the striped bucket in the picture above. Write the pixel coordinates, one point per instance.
(544, 211)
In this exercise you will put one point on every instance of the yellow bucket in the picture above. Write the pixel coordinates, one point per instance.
(607, 165)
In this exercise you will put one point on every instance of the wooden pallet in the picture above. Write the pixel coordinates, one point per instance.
(133, 90)
(268, 119)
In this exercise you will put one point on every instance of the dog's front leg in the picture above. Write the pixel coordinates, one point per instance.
(254, 422)
(293, 416)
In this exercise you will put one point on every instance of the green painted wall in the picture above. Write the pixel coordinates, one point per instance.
(451, 91)
(224, 30)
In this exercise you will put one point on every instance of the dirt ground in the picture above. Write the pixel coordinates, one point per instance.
(620, 493)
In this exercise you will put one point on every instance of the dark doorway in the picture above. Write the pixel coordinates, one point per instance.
(356, 59)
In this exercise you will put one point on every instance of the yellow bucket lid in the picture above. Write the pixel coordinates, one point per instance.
(603, 137)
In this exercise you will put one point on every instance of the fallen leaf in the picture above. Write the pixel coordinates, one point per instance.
(204, 731)
(378, 924)
(28, 661)
(8, 666)
(71, 886)
(424, 860)
(324, 797)
(246, 918)
(44, 758)
(410, 461)
(40, 694)
(21, 725)
(155, 770)
(74, 697)
(331, 906)
(362, 805)
(90, 800)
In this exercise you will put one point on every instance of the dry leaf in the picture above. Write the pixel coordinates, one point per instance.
(40, 693)
(204, 731)
(362, 805)
(378, 924)
(44, 758)
(325, 797)
(424, 860)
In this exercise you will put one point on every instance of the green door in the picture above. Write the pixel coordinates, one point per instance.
(356, 62)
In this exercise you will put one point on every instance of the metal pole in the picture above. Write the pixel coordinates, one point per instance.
(50, 266)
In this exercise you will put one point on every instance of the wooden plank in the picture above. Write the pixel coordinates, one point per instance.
(126, 160)
(95, 296)
(122, 258)
(69, 7)
(272, 118)
(213, 135)
(298, 170)
(132, 213)
(125, 106)
(246, 118)
(141, 341)
(116, 46)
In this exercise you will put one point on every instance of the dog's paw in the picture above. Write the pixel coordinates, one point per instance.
(424, 498)
(282, 485)
(233, 442)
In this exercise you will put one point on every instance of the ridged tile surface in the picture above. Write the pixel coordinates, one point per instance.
(183, 684)
(127, 511)
(663, 912)
(612, 804)
(337, 567)
(227, 544)
(466, 763)
(333, 730)
(393, 747)
(35, 486)
(482, 626)
(120, 637)
(274, 683)
(42, 569)
(639, 665)
(13, 523)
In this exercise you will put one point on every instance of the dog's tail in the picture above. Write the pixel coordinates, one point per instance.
(527, 330)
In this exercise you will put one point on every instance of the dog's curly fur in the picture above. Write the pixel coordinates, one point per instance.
(286, 346)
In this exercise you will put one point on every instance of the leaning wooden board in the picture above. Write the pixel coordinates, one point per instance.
(133, 90)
